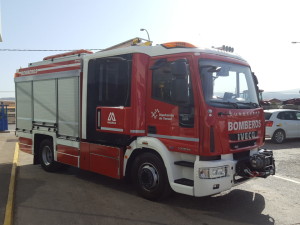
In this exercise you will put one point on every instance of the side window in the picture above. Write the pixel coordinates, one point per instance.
(280, 115)
(113, 81)
(293, 116)
(287, 116)
(290, 116)
(268, 116)
(161, 83)
(171, 82)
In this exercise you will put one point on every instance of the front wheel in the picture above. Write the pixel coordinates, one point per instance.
(278, 136)
(150, 177)
(47, 156)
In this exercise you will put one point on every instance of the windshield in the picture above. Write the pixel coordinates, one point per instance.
(227, 85)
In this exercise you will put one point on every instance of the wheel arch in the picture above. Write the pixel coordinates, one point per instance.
(133, 155)
(147, 144)
(38, 138)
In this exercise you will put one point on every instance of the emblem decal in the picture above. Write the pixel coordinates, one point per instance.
(111, 118)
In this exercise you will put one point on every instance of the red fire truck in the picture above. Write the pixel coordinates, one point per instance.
(168, 117)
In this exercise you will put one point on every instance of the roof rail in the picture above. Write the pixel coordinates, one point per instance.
(76, 52)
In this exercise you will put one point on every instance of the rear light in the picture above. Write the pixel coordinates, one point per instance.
(269, 123)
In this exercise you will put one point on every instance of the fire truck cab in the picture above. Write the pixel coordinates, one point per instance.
(169, 117)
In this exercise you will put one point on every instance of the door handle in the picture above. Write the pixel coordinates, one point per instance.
(151, 129)
(98, 118)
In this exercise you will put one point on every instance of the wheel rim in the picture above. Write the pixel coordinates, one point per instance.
(279, 136)
(47, 155)
(148, 177)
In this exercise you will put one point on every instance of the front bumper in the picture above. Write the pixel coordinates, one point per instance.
(258, 164)
(205, 187)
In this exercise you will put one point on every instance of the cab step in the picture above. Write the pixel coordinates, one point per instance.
(184, 163)
(184, 181)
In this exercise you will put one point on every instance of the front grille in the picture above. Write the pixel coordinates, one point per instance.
(241, 155)
(243, 136)
(243, 144)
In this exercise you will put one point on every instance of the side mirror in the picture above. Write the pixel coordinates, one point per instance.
(255, 79)
(180, 86)
(180, 90)
(179, 68)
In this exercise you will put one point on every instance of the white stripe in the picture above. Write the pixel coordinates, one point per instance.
(67, 154)
(174, 137)
(112, 129)
(105, 156)
(48, 68)
(64, 122)
(23, 118)
(137, 131)
(50, 75)
(58, 67)
(287, 179)
(25, 144)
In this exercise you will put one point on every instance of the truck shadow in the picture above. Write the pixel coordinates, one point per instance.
(237, 205)
(234, 207)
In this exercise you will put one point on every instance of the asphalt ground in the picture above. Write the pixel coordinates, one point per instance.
(7, 146)
(74, 196)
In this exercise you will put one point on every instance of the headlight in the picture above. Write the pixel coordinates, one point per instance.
(213, 172)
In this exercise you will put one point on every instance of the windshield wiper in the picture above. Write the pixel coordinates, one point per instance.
(253, 104)
(227, 103)
(211, 68)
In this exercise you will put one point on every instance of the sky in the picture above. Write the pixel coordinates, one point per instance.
(261, 31)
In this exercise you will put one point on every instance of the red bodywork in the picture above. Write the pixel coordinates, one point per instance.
(67, 155)
(25, 145)
(210, 135)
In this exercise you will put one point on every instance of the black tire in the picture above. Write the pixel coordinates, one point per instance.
(278, 136)
(46, 156)
(150, 177)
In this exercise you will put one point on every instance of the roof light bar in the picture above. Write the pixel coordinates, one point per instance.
(178, 45)
(224, 48)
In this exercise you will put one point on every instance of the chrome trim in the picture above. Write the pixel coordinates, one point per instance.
(105, 156)
(137, 131)
(174, 137)
(67, 154)
(112, 129)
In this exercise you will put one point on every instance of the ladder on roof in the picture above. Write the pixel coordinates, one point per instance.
(131, 42)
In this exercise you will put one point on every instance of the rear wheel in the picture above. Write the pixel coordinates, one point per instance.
(150, 177)
(47, 156)
(278, 136)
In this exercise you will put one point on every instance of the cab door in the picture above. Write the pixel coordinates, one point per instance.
(108, 111)
(171, 115)
(109, 99)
